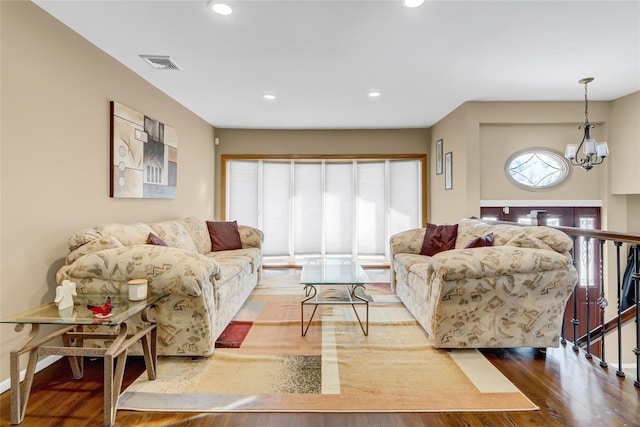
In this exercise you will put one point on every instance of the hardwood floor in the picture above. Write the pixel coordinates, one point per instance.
(570, 390)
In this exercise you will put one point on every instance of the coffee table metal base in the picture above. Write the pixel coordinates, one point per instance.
(311, 298)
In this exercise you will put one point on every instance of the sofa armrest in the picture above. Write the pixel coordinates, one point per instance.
(250, 237)
(408, 241)
(168, 270)
(494, 261)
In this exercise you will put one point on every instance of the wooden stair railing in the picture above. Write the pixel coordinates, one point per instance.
(609, 327)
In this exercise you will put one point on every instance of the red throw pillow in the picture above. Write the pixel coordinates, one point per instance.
(152, 239)
(480, 242)
(438, 238)
(224, 235)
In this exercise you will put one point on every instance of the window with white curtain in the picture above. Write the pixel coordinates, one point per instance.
(325, 207)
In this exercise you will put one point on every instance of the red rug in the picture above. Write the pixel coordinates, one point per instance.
(234, 334)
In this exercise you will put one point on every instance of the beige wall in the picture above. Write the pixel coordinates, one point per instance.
(448, 206)
(500, 141)
(254, 141)
(55, 93)
(625, 117)
(633, 220)
(482, 135)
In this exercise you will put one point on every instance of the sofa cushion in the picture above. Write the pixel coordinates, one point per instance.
(525, 241)
(95, 245)
(152, 239)
(197, 228)
(438, 238)
(480, 242)
(224, 235)
(558, 240)
(469, 229)
(127, 234)
(174, 234)
(252, 257)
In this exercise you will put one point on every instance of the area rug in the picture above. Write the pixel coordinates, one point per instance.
(263, 363)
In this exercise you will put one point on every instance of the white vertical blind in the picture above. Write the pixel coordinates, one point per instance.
(307, 208)
(370, 208)
(242, 192)
(276, 207)
(325, 207)
(404, 183)
(338, 218)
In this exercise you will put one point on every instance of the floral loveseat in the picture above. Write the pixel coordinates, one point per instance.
(206, 283)
(508, 292)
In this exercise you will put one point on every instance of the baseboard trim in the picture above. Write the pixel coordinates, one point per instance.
(47, 361)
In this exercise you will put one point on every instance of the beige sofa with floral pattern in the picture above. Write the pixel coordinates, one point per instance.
(511, 294)
(205, 289)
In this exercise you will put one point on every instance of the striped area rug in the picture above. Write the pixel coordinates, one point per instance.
(262, 363)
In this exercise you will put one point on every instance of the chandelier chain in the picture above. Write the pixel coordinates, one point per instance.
(586, 106)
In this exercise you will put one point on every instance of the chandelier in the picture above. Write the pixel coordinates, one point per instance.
(593, 152)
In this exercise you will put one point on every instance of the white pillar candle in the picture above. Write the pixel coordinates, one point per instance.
(138, 289)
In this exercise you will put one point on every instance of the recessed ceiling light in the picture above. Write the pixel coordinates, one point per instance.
(413, 3)
(220, 8)
(374, 94)
(268, 96)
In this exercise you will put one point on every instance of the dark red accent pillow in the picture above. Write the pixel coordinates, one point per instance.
(224, 235)
(438, 238)
(480, 242)
(152, 239)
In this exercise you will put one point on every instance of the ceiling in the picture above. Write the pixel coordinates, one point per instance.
(321, 58)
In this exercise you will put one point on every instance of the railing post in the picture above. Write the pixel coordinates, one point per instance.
(575, 320)
(619, 372)
(603, 303)
(636, 279)
(587, 240)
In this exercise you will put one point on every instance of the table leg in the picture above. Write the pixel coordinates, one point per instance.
(366, 304)
(75, 362)
(20, 392)
(113, 379)
(310, 292)
(149, 343)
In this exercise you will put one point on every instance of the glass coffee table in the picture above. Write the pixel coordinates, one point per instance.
(322, 272)
(73, 336)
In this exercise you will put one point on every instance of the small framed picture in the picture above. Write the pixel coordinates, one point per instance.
(448, 165)
(439, 157)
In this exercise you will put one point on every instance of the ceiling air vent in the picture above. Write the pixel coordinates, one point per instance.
(161, 62)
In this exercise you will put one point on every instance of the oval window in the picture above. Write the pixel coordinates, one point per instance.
(537, 168)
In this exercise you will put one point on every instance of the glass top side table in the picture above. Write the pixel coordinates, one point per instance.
(73, 320)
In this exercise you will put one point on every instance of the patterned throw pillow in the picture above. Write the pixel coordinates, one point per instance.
(152, 239)
(224, 235)
(438, 238)
(480, 242)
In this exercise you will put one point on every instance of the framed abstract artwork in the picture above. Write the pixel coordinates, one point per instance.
(448, 165)
(144, 156)
(439, 157)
